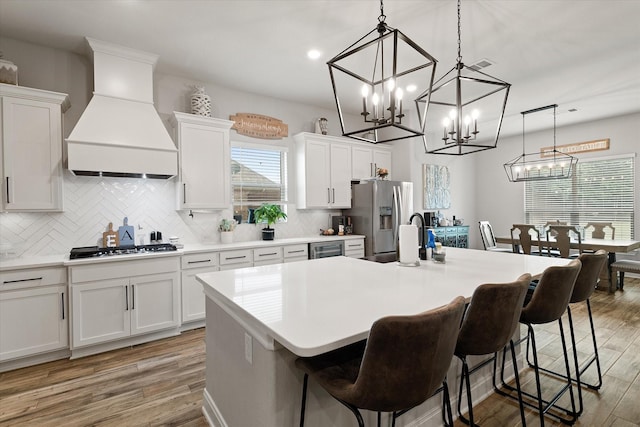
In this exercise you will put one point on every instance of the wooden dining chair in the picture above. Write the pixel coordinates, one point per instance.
(488, 238)
(599, 230)
(528, 236)
(562, 235)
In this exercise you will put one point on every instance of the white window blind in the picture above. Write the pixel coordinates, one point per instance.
(258, 175)
(600, 190)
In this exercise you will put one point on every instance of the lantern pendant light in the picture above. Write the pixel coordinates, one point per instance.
(372, 80)
(542, 165)
(464, 107)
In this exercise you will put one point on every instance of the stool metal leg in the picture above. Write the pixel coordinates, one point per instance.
(304, 398)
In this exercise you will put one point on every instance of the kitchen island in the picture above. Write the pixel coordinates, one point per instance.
(260, 319)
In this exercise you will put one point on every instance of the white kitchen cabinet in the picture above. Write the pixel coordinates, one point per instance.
(193, 298)
(113, 301)
(31, 163)
(293, 253)
(204, 161)
(267, 256)
(33, 312)
(354, 248)
(323, 171)
(366, 160)
(240, 258)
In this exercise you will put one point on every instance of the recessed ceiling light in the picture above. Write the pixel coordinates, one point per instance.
(313, 54)
(411, 88)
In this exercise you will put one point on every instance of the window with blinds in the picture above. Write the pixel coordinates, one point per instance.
(258, 175)
(600, 190)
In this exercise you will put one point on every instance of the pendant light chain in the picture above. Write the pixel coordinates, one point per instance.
(459, 59)
(382, 16)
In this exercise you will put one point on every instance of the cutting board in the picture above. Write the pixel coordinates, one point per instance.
(110, 237)
(125, 234)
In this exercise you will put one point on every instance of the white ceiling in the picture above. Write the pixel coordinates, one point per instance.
(580, 54)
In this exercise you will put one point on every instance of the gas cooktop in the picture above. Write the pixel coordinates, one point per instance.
(95, 251)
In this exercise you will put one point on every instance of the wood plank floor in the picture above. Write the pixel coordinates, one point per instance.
(161, 383)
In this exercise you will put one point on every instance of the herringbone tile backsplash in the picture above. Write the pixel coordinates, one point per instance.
(91, 203)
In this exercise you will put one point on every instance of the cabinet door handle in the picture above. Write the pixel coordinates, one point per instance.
(126, 298)
(328, 195)
(371, 169)
(8, 200)
(236, 257)
(133, 297)
(184, 193)
(22, 280)
(197, 262)
(62, 306)
(333, 190)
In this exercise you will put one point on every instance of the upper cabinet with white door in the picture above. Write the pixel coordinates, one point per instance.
(323, 171)
(204, 158)
(366, 159)
(31, 141)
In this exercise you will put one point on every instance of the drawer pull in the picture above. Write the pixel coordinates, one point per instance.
(236, 257)
(197, 262)
(357, 245)
(296, 252)
(271, 253)
(22, 280)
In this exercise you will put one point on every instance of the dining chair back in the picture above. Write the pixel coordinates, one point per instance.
(550, 223)
(599, 230)
(487, 327)
(562, 235)
(405, 361)
(527, 235)
(489, 239)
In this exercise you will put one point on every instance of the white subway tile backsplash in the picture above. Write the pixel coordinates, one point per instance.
(90, 203)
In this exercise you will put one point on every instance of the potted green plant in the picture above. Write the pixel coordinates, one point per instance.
(270, 214)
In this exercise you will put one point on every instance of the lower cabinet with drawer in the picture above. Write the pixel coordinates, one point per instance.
(236, 259)
(123, 303)
(354, 248)
(267, 256)
(33, 317)
(293, 253)
(193, 298)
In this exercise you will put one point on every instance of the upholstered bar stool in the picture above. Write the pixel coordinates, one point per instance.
(404, 362)
(592, 264)
(549, 300)
(487, 327)
(528, 235)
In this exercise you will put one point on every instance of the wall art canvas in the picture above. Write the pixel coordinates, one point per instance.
(436, 181)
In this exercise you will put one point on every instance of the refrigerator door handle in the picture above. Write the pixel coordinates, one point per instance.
(396, 214)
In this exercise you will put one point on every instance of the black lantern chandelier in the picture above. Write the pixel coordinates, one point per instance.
(542, 165)
(464, 106)
(371, 79)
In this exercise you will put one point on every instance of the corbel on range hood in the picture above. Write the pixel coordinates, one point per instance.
(120, 134)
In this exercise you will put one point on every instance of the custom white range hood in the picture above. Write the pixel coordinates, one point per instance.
(120, 133)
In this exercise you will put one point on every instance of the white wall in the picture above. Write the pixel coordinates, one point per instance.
(479, 187)
(502, 202)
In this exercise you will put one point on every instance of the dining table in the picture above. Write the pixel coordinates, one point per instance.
(612, 246)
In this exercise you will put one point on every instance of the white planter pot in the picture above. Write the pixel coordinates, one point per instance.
(226, 236)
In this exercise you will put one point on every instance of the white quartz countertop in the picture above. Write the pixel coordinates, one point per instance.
(311, 307)
(61, 260)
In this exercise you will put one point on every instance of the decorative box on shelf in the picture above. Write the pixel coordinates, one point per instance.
(453, 236)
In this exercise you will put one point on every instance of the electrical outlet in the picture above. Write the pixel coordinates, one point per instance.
(248, 348)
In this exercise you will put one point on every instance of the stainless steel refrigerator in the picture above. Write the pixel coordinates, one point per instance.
(376, 213)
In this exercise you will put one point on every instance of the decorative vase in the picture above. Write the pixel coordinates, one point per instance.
(226, 236)
(322, 125)
(200, 102)
(8, 72)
